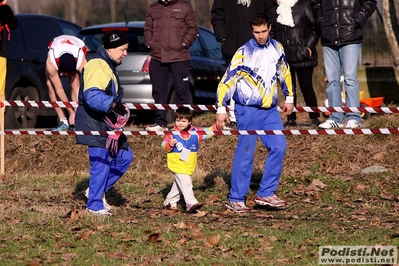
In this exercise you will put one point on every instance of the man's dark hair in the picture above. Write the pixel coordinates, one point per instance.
(183, 112)
(259, 19)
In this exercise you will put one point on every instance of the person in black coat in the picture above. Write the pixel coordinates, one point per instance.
(230, 20)
(295, 28)
(7, 22)
(340, 26)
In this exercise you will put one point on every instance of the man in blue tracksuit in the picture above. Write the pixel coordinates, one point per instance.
(251, 80)
(100, 97)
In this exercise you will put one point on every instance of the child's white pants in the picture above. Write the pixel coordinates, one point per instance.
(181, 186)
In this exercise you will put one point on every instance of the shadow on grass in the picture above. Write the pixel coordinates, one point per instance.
(210, 179)
(113, 196)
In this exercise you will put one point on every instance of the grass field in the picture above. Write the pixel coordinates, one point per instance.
(43, 219)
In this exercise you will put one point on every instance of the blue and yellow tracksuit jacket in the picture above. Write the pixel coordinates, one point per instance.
(99, 87)
(251, 78)
(188, 141)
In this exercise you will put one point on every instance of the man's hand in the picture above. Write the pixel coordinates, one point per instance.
(288, 108)
(220, 120)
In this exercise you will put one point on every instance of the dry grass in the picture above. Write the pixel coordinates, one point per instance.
(331, 203)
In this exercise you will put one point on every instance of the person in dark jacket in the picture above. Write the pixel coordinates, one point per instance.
(340, 25)
(100, 108)
(295, 29)
(7, 22)
(170, 29)
(230, 20)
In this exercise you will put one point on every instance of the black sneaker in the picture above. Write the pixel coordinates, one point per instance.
(290, 123)
(230, 126)
(315, 122)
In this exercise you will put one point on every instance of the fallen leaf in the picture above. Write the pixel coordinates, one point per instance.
(73, 216)
(200, 214)
(212, 241)
(212, 199)
(154, 238)
(85, 235)
(386, 196)
(180, 225)
(69, 256)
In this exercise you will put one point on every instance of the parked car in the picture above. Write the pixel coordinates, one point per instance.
(26, 64)
(206, 69)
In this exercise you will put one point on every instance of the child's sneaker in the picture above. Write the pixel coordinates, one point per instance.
(105, 203)
(272, 201)
(194, 208)
(237, 206)
(172, 207)
(102, 212)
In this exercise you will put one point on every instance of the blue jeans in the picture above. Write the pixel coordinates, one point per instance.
(343, 58)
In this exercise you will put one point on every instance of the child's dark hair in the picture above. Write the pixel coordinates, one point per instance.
(183, 112)
(259, 19)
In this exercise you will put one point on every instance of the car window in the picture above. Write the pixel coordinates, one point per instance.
(68, 29)
(37, 38)
(196, 48)
(136, 41)
(16, 39)
(92, 41)
(214, 48)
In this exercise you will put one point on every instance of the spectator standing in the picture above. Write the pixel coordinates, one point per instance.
(341, 29)
(101, 109)
(7, 22)
(230, 24)
(181, 152)
(295, 29)
(251, 80)
(170, 29)
(66, 58)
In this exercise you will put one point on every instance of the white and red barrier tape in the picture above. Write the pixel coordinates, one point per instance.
(152, 106)
(360, 131)
(149, 106)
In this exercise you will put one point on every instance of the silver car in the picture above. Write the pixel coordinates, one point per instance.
(206, 69)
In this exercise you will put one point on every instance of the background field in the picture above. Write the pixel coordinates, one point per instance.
(43, 219)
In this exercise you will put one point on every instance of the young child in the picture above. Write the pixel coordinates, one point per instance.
(182, 159)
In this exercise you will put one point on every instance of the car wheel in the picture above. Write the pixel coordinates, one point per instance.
(170, 114)
(22, 117)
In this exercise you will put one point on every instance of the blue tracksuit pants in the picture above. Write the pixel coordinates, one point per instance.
(104, 173)
(252, 118)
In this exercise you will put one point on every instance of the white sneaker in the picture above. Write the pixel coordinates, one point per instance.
(328, 124)
(352, 123)
(155, 127)
(102, 212)
(105, 203)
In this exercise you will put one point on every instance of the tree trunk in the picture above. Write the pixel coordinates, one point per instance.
(15, 6)
(390, 10)
(112, 4)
